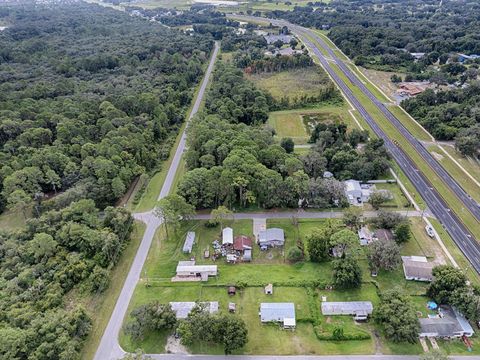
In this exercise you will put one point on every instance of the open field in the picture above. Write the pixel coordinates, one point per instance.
(468, 163)
(382, 80)
(292, 83)
(11, 220)
(102, 305)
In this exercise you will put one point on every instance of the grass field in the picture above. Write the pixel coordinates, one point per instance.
(463, 180)
(291, 83)
(469, 164)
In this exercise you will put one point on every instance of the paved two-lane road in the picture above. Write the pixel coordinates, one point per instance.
(109, 348)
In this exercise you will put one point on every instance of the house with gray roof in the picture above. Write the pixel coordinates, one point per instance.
(283, 313)
(272, 38)
(360, 309)
(357, 193)
(183, 308)
(450, 323)
(271, 238)
(417, 268)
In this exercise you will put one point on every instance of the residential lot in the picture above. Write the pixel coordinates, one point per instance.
(302, 283)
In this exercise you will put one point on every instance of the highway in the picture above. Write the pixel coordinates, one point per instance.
(438, 207)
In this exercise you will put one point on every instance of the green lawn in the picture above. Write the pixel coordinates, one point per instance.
(464, 181)
(292, 83)
(469, 164)
(10, 220)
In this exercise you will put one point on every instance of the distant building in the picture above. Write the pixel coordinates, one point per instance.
(227, 236)
(359, 309)
(327, 175)
(449, 324)
(283, 313)
(271, 238)
(187, 270)
(189, 241)
(356, 193)
(417, 55)
(271, 38)
(365, 236)
(182, 309)
(463, 57)
(417, 268)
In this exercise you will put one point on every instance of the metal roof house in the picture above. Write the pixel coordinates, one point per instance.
(227, 236)
(278, 312)
(242, 242)
(417, 268)
(365, 236)
(450, 324)
(271, 238)
(188, 269)
(189, 241)
(356, 195)
(359, 309)
(182, 309)
(271, 38)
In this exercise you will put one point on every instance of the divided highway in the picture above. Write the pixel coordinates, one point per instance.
(452, 223)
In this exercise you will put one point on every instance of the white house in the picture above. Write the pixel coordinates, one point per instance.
(278, 312)
(227, 236)
(356, 193)
(271, 238)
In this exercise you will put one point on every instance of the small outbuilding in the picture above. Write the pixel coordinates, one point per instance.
(232, 290)
(269, 289)
(227, 236)
(189, 241)
(365, 236)
(247, 255)
(417, 268)
(232, 307)
(242, 243)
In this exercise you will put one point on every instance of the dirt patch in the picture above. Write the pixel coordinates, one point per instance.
(174, 346)
(437, 156)
(328, 320)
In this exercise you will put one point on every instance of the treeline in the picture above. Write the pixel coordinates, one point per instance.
(450, 115)
(84, 104)
(273, 63)
(57, 253)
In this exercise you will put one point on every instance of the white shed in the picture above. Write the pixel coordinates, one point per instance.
(227, 236)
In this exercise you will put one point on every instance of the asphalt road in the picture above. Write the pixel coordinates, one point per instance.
(453, 225)
(109, 347)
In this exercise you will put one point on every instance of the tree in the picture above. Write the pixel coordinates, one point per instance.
(395, 79)
(446, 279)
(387, 219)
(288, 145)
(467, 301)
(347, 273)
(402, 232)
(376, 199)
(234, 333)
(352, 217)
(150, 317)
(397, 316)
(42, 246)
(318, 242)
(173, 209)
(294, 255)
(434, 354)
(19, 201)
(220, 215)
(344, 242)
(383, 254)
(139, 354)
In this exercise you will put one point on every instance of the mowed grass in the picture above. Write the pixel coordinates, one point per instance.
(102, 305)
(292, 83)
(14, 220)
(468, 163)
(458, 174)
(289, 124)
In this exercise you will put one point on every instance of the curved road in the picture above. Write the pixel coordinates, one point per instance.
(109, 348)
(439, 208)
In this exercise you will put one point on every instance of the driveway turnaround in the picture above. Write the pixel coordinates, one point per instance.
(109, 348)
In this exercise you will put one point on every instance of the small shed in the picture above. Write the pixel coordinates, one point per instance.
(247, 255)
(206, 254)
(227, 236)
(231, 307)
(269, 289)
(189, 241)
(232, 290)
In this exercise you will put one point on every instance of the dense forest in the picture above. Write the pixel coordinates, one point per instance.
(85, 107)
(84, 104)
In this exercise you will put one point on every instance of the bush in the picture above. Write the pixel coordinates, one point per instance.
(294, 255)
